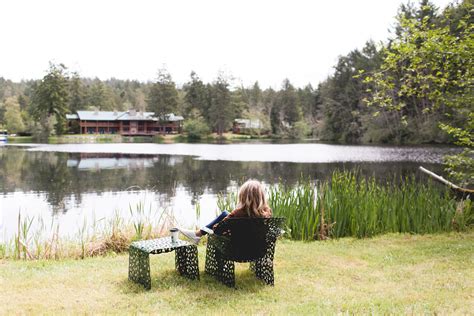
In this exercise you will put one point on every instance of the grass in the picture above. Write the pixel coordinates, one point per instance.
(115, 138)
(20, 139)
(85, 138)
(351, 205)
(389, 274)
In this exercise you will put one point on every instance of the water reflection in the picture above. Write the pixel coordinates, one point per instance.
(60, 175)
(70, 185)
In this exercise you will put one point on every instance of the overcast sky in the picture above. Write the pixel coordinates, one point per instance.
(250, 39)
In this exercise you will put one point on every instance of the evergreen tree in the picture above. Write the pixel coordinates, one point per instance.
(96, 97)
(255, 95)
(196, 96)
(238, 105)
(289, 103)
(76, 94)
(51, 98)
(342, 95)
(163, 97)
(100, 97)
(220, 111)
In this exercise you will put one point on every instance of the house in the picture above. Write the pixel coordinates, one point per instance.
(128, 123)
(244, 126)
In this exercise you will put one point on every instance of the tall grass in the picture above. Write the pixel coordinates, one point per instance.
(346, 205)
(351, 205)
(226, 202)
(35, 240)
(299, 206)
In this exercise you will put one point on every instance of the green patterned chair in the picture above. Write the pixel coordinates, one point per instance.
(243, 240)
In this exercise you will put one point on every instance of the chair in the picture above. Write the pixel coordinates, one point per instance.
(243, 240)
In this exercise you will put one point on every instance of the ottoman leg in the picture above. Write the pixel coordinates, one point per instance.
(186, 261)
(139, 267)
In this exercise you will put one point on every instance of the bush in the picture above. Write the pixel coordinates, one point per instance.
(299, 130)
(196, 128)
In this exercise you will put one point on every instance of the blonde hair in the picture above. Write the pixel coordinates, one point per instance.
(252, 199)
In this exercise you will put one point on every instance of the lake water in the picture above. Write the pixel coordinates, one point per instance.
(74, 184)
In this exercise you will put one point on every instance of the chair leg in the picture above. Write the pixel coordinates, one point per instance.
(226, 270)
(264, 270)
(252, 266)
(186, 261)
(222, 270)
(139, 267)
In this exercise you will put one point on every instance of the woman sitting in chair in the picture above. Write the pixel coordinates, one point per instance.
(252, 203)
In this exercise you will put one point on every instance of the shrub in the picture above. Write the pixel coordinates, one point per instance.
(196, 128)
(299, 130)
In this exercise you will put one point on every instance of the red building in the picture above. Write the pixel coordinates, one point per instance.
(129, 123)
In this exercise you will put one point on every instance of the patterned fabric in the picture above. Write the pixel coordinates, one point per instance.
(186, 259)
(243, 240)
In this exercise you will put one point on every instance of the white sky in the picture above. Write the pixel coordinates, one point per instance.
(251, 39)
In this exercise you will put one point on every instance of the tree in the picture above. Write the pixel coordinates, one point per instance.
(429, 69)
(100, 97)
(51, 98)
(275, 119)
(239, 107)
(163, 98)
(76, 94)
(220, 111)
(255, 94)
(196, 96)
(289, 103)
(13, 120)
(340, 96)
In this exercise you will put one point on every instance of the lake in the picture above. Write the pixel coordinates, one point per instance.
(79, 184)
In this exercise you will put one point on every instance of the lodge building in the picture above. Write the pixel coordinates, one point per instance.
(128, 123)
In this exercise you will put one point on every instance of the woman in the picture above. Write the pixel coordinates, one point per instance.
(252, 203)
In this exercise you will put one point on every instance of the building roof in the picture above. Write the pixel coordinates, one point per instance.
(246, 123)
(120, 116)
(136, 116)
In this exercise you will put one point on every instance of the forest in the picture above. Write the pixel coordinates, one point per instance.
(414, 88)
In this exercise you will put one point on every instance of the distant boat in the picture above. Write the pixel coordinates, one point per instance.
(3, 135)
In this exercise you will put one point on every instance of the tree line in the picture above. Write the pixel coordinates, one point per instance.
(414, 88)
(41, 105)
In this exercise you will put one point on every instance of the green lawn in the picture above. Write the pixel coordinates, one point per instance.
(388, 274)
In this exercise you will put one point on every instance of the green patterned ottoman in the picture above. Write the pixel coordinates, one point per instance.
(186, 259)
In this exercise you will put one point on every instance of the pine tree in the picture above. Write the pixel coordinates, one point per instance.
(221, 112)
(163, 97)
(51, 98)
(76, 94)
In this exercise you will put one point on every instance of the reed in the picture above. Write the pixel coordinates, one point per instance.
(346, 205)
(36, 240)
(351, 205)
(226, 202)
(298, 205)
